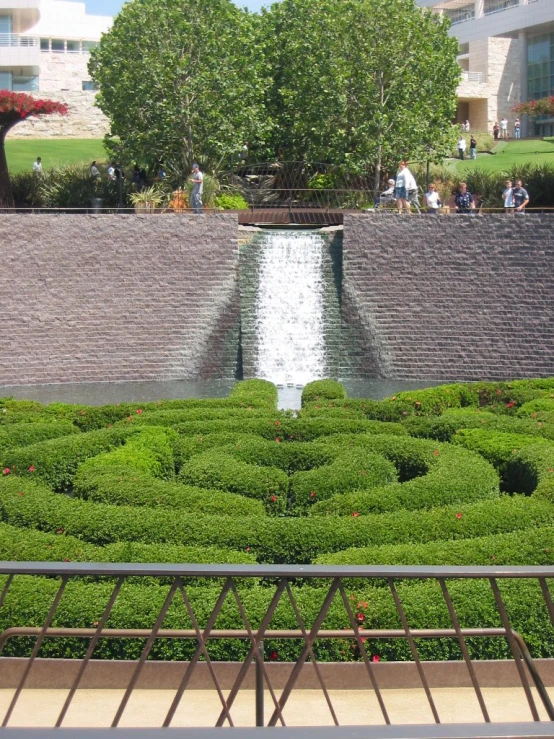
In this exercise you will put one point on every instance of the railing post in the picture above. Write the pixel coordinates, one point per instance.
(260, 685)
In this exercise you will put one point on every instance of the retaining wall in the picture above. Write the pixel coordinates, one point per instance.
(91, 298)
(459, 297)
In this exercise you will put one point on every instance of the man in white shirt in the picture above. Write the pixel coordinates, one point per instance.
(504, 128)
(404, 184)
(197, 189)
(461, 148)
(37, 166)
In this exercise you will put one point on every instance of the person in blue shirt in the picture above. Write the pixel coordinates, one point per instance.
(521, 198)
(465, 202)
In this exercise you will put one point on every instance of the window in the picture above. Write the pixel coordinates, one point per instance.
(73, 47)
(58, 45)
(45, 44)
(497, 6)
(5, 80)
(88, 45)
(24, 84)
(5, 30)
(90, 85)
(459, 15)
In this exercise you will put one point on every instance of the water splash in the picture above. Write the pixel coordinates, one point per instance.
(290, 308)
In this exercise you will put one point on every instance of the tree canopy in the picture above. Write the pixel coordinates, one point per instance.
(360, 82)
(14, 108)
(181, 80)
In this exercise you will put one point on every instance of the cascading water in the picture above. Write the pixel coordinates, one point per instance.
(289, 308)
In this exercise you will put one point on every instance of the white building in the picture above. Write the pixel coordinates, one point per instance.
(507, 54)
(44, 50)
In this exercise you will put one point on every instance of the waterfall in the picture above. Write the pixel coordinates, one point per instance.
(289, 308)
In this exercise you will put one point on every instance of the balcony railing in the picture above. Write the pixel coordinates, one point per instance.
(15, 39)
(478, 77)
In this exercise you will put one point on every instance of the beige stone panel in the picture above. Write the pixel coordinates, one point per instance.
(83, 121)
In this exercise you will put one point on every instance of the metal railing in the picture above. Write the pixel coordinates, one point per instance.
(282, 585)
(478, 77)
(16, 39)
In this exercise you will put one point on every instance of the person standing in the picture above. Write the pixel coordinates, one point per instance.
(504, 128)
(461, 148)
(473, 148)
(404, 183)
(521, 198)
(111, 172)
(517, 128)
(496, 131)
(508, 198)
(94, 171)
(432, 199)
(37, 166)
(465, 202)
(197, 189)
(467, 126)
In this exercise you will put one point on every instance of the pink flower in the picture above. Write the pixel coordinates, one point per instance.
(360, 616)
(458, 515)
(6, 471)
(277, 423)
(247, 549)
(278, 440)
(273, 498)
(312, 494)
(355, 514)
(376, 658)
(31, 468)
(139, 410)
(436, 453)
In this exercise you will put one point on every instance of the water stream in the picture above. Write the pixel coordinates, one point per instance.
(289, 308)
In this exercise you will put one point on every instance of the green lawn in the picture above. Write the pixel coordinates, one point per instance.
(509, 154)
(54, 152)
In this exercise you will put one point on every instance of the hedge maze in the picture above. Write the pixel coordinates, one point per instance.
(457, 474)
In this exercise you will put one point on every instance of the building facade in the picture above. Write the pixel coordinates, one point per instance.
(44, 51)
(507, 56)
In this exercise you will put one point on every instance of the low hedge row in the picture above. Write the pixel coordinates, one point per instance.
(137, 606)
(289, 456)
(27, 503)
(221, 471)
(322, 390)
(457, 476)
(55, 461)
(536, 547)
(24, 434)
(124, 485)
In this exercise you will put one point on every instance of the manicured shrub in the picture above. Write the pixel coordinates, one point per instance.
(121, 484)
(354, 469)
(255, 392)
(223, 472)
(457, 476)
(531, 471)
(55, 461)
(289, 456)
(23, 434)
(541, 409)
(322, 390)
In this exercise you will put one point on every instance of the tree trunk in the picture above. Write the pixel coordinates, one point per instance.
(377, 173)
(6, 196)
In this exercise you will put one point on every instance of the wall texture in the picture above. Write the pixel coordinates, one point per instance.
(448, 298)
(88, 298)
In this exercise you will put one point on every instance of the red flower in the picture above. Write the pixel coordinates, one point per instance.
(405, 413)
(277, 423)
(6, 471)
(312, 494)
(273, 655)
(31, 468)
(362, 604)
(21, 493)
(376, 658)
(247, 549)
(360, 616)
(59, 531)
(355, 514)
(139, 410)
(273, 498)
(436, 453)
(510, 404)
(67, 560)
(458, 515)
(278, 440)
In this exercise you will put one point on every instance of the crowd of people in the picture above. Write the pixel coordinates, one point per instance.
(402, 193)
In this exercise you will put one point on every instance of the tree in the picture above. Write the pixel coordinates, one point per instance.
(14, 108)
(181, 80)
(544, 106)
(362, 83)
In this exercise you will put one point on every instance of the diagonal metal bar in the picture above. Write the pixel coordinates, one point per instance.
(90, 650)
(463, 646)
(514, 648)
(300, 622)
(547, 598)
(259, 636)
(413, 649)
(5, 590)
(256, 644)
(36, 649)
(307, 644)
(201, 649)
(145, 652)
(365, 656)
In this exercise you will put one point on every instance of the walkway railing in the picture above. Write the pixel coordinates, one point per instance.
(282, 584)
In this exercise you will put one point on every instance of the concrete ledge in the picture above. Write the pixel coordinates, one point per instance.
(104, 674)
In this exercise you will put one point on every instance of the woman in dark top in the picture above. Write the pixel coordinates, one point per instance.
(465, 202)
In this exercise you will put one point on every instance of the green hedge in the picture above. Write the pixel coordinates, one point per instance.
(27, 503)
(289, 456)
(322, 390)
(55, 461)
(457, 476)
(138, 606)
(124, 485)
(354, 469)
(221, 471)
(24, 434)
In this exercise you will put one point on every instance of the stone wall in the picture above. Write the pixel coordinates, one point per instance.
(448, 298)
(83, 120)
(94, 298)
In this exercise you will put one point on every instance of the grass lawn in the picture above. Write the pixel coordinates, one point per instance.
(508, 154)
(54, 152)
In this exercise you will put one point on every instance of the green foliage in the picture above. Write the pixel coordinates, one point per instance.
(231, 201)
(73, 187)
(23, 434)
(181, 82)
(322, 389)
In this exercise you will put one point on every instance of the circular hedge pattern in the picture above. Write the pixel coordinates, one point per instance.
(457, 474)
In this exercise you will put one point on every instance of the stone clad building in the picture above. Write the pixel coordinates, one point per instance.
(507, 56)
(44, 50)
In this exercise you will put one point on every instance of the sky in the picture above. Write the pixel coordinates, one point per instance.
(112, 7)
